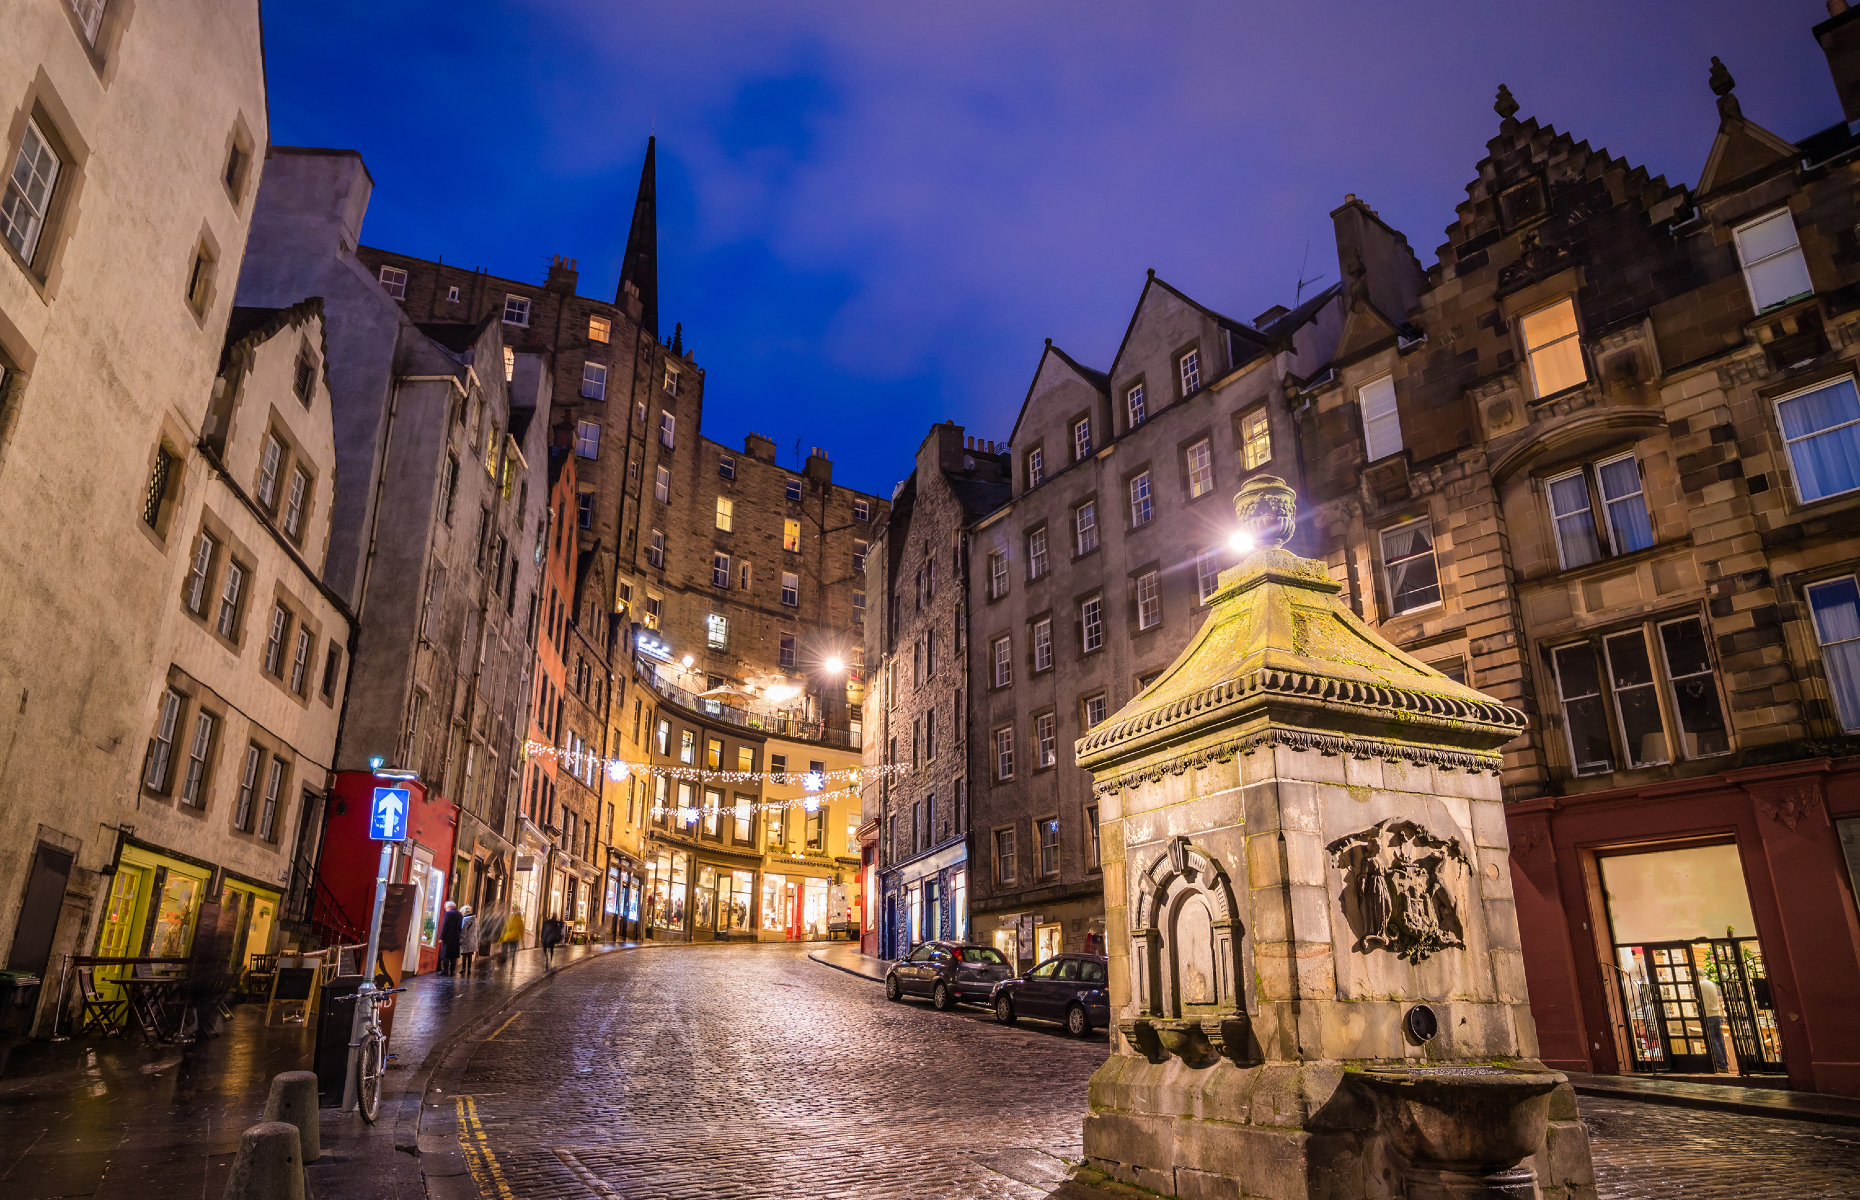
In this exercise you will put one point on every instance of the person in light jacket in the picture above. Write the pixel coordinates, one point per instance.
(468, 937)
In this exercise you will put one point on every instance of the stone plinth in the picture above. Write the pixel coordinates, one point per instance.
(1306, 877)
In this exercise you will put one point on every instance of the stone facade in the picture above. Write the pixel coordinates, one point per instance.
(115, 296)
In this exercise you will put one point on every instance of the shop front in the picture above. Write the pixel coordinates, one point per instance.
(723, 902)
(794, 905)
(1029, 936)
(156, 905)
(1695, 930)
(667, 894)
(924, 899)
(424, 861)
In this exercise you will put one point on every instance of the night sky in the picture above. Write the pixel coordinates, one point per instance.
(870, 215)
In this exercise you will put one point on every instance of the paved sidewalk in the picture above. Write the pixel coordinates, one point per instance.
(845, 956)
(110, 1117)
(1718, 1097)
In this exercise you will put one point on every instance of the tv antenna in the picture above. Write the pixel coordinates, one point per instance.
(1304, 283)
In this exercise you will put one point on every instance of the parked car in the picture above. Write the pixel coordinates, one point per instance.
(1073, 988)
(950, 973)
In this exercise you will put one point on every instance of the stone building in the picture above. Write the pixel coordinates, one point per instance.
(1099, 572)
(439, 446)
(130, 167)
(1607, 469)
(916, 793)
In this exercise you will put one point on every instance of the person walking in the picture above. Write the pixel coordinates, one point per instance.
(468, 937)
(551, 938)
(512, 936)
(450, 926)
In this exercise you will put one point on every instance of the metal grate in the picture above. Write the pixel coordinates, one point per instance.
(158, 487)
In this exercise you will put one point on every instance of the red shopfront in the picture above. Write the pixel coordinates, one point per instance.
(351, 858)
(1697, 927)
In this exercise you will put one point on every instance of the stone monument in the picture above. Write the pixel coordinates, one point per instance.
(1315, 971)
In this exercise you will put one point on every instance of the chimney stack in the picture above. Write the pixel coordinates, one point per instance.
(562, 276)
(819, 467)
(760, 448)
(1839, 36)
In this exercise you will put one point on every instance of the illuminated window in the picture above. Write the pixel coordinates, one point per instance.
(1256, 438)
(717, 626)
(791, 536)
(1200, 468)
(1555, 350)
(1408, 560)
(726, 515)
(600, 329)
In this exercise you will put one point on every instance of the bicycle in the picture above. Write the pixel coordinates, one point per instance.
(371, 1062)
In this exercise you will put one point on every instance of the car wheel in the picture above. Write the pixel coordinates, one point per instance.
(892, 989)
(1004, 1010)
(1077, 1023)
(943, 998)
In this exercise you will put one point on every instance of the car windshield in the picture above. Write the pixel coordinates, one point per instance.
(981, 954)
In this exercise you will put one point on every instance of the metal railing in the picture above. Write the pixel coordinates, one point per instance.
(774, 724)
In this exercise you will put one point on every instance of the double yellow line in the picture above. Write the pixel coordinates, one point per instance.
(476, 1144)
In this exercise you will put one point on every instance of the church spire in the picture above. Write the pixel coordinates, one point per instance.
(641, 265)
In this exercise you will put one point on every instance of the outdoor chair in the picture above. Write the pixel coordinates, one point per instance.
(258, 975)
(98, 1014)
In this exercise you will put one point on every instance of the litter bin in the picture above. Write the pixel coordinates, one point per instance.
(335, 1017)
(19, 990)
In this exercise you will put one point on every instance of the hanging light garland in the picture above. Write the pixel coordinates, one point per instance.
(619, 770)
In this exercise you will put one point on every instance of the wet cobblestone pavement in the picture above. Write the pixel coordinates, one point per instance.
(748, 1071)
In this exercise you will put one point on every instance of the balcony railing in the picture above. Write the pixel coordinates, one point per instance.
(773, 724)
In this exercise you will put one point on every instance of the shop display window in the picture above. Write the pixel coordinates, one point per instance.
(735, 897)
(704, 899)
(776, 903)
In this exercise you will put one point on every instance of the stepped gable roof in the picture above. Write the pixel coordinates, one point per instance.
(252, 326)
(1283, 660)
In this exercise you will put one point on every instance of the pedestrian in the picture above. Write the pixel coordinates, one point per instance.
(1712, 1009)
(449, 930)
(512, 936)
(468, 937)
(551, 938)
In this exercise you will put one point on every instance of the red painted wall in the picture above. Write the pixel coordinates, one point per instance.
(351, 858)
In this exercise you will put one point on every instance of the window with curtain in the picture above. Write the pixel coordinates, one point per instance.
(1835, 605)
(1611, 486)
(1381, 423)
(1821, 429)
(1408, 559)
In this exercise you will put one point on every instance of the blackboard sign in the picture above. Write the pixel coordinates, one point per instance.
(293, 983)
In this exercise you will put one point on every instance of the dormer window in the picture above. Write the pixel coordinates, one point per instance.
(1133, 405)
(1081, 439)
(1189, 367)
(1381, 421)
(1554, 348)
(1774, 269)
(394, 282)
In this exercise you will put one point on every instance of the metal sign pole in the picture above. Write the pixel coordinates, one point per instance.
(365, 995)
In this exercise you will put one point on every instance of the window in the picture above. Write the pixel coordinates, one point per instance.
(161, 750)
(1004, 856)
(930, 654)
(670, 382)
(268, 471)
(1696, 706)
(600, 329)
(200, 279)
(1081, 439)
(786, 652)
(662, 735)
(510, 373)
(1200, 468)
(1036, 554)
(654, 610)
(741, 831)
(1042, 644)
(294, 503)
(594, 381)
(587, 439)
(1408, 560)
(1555, 350)
(930, 736)
(248, 783)
(1140, 508)
(197, 577)
(1207, 575)
(862, 511)
(1149, 600)
(791, 536)
(655, 549)
(90, 17)
(687, 747)
(332, 666)
(1094, 711)
(303, 378)
(584, 516)
(1381, 423)
(228, 624)
(1617, 482)
(268, 811)
(394, 282)
(1133, 405)
(726, 521)
(1835, 606)
(516, 310)
(860, 549)
(997, 575)
(790, 589)
(452, 294)
(1085, 525)
(1046, 740)
(668, 428)
(720, 570)
(1036, 468)
(1189, 369)
(274, 643)
(726, 466)
(1091, 624)
(662, 486)
(197, 759)
(300, 661)
(793, 488)
(29, 190)
(1633, 690)
(1256, 439)
(1049, 846)
(1821, 430)
(859, 609)
(1001, 654)
(743, 576)
(1772, 259)
(156, 494)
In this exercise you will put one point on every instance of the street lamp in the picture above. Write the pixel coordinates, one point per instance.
(1241, 541)
(835, 665)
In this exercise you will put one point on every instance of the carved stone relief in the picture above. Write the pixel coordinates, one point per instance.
(1185, 959)
(1403, 888)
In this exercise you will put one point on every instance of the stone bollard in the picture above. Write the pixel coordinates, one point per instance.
(270, 1164)
(293, 1101)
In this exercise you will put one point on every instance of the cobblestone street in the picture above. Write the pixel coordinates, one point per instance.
(749, 1071)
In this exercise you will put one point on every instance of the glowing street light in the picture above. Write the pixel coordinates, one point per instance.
(687, 661)
(835, 665)
(1241, 541)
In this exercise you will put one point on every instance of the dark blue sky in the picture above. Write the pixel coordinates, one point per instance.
(871, 215)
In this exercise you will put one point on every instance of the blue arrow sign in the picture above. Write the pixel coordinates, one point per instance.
(387, 820)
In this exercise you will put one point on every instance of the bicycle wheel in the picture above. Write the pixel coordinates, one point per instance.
(368, 1075)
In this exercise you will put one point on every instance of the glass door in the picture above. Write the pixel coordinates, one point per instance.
(1666, 1008)
(1734, 966)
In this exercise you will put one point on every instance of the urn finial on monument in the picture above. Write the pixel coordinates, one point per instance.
(1308, 910)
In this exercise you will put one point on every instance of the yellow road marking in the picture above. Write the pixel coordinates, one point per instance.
(485, 1171)
(504, 1026)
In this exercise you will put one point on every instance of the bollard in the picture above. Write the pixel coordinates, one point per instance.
(269, 1166)
(293, 1101)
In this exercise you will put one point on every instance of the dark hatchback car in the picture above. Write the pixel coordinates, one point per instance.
(950, 973)
(1072, 988)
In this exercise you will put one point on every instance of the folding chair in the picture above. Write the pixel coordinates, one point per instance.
(258, 975)
(98, 1014)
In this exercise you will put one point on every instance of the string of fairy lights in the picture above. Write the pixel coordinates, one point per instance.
(816, 784)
